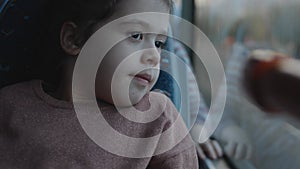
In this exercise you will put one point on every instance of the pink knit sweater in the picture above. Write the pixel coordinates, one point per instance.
(38, 131)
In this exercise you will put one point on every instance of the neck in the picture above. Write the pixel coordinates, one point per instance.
(64, 89)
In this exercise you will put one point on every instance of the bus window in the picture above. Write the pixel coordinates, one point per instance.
(236, 27)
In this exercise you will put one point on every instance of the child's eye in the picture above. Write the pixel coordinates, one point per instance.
(159, 44)
(137, 36)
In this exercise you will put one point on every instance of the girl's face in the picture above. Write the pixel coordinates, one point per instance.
(134, 60)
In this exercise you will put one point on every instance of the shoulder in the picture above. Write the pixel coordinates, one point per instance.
(12, 99)
(162, 102)
(18, 87)
(175, 135)
(160, 98)
(17, 91)
(184, 159)
(168, 113)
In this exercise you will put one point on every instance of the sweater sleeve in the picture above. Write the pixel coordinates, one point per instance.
(183, 154)
(186, 159)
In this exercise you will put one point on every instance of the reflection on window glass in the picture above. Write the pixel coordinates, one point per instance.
(235, 27)
(268, 23)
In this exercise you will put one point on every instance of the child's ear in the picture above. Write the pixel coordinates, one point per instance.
(67, 39)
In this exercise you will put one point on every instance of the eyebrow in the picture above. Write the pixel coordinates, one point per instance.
(143, 23)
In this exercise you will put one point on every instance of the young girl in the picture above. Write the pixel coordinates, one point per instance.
(39, 127)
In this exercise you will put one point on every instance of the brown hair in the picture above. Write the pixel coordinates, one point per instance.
(85, 14)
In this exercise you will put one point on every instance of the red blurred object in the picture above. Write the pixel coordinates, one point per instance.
(273, 81)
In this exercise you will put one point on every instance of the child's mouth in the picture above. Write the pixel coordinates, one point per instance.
(143, 79)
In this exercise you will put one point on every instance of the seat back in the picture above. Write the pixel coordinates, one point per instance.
(19, 24)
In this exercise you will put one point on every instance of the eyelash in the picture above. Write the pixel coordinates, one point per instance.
(159, 44)
(137, 36)
(140, 36)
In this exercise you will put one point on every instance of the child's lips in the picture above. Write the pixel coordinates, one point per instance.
(143, 79)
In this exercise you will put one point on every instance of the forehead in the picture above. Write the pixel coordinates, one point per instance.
(149, 22)
(157, 22)
(127, 7)
(152, 16)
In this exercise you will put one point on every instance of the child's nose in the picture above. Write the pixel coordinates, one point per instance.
(150, 57)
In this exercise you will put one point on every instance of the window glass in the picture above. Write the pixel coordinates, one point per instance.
(235, 26)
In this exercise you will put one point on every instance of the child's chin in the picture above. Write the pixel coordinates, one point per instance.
(128, 103)
(123, 98)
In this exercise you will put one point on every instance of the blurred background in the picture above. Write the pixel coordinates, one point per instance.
(236, 27)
